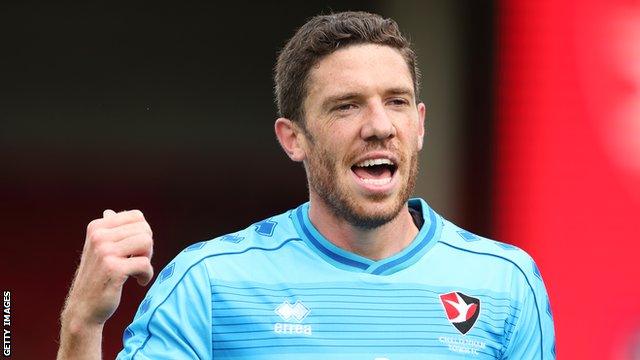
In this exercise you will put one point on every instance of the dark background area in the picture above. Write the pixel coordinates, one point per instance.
(168, 108)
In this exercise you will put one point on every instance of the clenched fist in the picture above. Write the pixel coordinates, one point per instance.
(117, 246)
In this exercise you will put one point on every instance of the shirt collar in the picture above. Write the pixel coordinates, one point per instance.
(338, 257)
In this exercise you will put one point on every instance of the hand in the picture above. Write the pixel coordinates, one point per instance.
(117, 246)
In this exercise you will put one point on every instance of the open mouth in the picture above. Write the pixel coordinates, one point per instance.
(375, 171)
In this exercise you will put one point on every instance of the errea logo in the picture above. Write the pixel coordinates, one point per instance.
(297, 311)
(293, 316)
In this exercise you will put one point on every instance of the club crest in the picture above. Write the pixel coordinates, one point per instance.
(461, 310)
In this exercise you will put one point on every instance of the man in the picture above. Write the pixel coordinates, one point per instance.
(358, 272)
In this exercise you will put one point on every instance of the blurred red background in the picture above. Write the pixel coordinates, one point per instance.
(568, 163)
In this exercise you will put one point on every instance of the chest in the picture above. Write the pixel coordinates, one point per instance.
(354, 320)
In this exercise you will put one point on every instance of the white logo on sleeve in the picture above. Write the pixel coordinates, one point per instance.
(292, 316)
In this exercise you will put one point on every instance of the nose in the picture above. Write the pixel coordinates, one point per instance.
(377, 124)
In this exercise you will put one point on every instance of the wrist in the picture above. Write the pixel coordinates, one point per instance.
(73, 324)
(79, 339)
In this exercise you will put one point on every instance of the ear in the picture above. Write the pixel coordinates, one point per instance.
(422, 113)
(290, 138)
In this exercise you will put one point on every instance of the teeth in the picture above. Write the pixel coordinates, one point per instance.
(376, 181)
(372, 162)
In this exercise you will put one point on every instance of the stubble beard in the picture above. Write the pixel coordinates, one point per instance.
(323, 179)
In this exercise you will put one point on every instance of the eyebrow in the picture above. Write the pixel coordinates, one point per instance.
(400, 91)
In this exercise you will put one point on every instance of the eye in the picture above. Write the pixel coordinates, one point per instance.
(344, 107)
(399, 102)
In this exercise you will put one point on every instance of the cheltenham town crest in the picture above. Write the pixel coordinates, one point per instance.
(462, 310)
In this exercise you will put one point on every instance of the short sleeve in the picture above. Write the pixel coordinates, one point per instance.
(174, 319)
(532, 336)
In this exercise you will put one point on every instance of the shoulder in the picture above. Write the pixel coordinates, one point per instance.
(492, 251)
(265, 235)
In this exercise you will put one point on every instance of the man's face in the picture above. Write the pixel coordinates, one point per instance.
(363, 133)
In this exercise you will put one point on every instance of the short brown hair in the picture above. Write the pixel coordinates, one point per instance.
(321, 36)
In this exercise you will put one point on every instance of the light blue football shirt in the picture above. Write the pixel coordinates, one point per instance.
(279, 290)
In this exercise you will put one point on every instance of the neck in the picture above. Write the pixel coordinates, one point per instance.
(375, 244)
